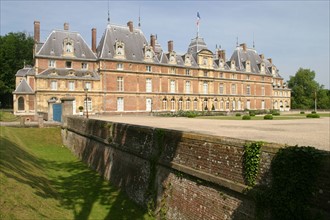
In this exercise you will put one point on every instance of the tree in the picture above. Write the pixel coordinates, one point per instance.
(15, 49)
(304, 89)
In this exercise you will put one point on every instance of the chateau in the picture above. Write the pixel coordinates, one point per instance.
(127, 73)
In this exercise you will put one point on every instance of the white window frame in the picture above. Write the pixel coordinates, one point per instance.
(221, 89)
(120, 104)
(53, 85)
(88, 85)
(188, 87)
(120, 84)
(172, 86)
(120, 66)
(148, 85)
(71, 85)
(233, 89)
(52, 63)
(148, 68)
(205, 87)
(84, 66)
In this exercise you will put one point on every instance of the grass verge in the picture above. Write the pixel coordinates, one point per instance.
(41, 179)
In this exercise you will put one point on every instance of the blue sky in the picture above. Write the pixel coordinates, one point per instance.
(293, 33)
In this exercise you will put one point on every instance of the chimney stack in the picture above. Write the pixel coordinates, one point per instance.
(66, 26)
(170, 46)
(94, 40)
(130, 26)
(36, 31)
(243, 46)
(153, 41)
(270, 60)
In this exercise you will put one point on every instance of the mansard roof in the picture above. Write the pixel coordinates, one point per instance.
(26, 71)
(69, 73)
(23, 88)
(197, 44)
(53, 47)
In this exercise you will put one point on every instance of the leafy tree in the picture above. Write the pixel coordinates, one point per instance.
(15, 49)
(304, 88)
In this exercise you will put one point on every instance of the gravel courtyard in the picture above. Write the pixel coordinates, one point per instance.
(302, 132)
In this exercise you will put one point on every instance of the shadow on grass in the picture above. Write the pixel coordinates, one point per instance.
(77, 187)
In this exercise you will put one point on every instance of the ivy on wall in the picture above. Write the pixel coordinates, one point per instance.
(251, 160)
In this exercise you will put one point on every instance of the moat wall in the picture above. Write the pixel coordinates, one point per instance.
(182, 175)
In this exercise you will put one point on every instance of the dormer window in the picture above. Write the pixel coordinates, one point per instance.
(84, 66)
(68, 48)
(148, 54)
(187, 60)
(248, 66)
(120, 49)
(232, 65)
(52, 63)
(262, 67)
(172, 57)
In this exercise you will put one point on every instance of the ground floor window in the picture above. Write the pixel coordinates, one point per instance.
(248, 104)
(195, 105)
(21, 104)
(88, 103)
(172, 104)
(164, 104)
(188, 104)
(120, 104)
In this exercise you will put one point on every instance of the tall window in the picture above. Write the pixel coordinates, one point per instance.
(221, 105)
(164, 103)
(180, 104)
(238, 105)
(148, 85)
(148, 68)
(195, 105)
(215, 103)
(205, 73)
(71, 86)
(221, 89)
(172, 70)
(52, 63)
(248, 104)
(120, 84)
(233, 89)
(89, 103)
(248, 90)
(88, 85)
(120, 104)
(263, 104)
(221, 75)
(227, 105)
(21, 104)
(188, 104)
(188, 87)
(172, 104)
(205, 87)
(187, 72)
(172, 86)
(263, 90)
(233, 105)
(53, 85)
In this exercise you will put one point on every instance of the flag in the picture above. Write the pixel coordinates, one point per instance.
(198, 18)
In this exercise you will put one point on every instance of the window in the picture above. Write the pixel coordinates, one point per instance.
(164, 103)
(68, 47)
(233, 89)
(148, 68)
(238, 105)
(188, 87)
(215, 104)
(205, 87)
(120, 66)
(172, 86)
(88, 85)
(195, 105)
(248, 104)
(84, 66)
(187, 72)
(71, 86)
(205, 73)
(227, 106)
(172, 104)
(21, 104)
(53, 85)
(221, 89)
(248, 90)
(263, 90)
(148, 85)
(247, 77)
(120, 104)
(221, 75)
(263, 104)
(188, 104)
(68, 64)
(148, 104)
(172, 70)
(120, 84)
(221, 105)
(233, 76)
(88, 103)
(52, 63)
(233, 105)
(180, 104)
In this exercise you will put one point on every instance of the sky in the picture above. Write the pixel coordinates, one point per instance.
(295, 34)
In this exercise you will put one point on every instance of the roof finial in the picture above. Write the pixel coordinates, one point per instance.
(253, 41)
(236, 41)
(108, 14)
(139, 18)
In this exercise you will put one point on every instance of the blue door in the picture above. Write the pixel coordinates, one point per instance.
(57, 112)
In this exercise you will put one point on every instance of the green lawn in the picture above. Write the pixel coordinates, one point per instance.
(41, 179)
(8, 116)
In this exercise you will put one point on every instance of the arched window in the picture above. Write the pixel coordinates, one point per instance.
(164, 104)
(180, 104)
(172, 104)
(21, 104)
(188, 104)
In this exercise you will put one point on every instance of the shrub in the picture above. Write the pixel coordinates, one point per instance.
(238, 115)
(275, 112)
(268, 117)
(252, 114)
(246, 117)
(302, 113)
(313, 116)
(313, 112)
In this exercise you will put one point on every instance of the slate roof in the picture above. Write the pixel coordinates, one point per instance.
(23, 88)
(25, 71)
(68, 73)
(53, 47)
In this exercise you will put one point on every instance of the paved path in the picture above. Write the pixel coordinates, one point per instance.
(302, 132)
